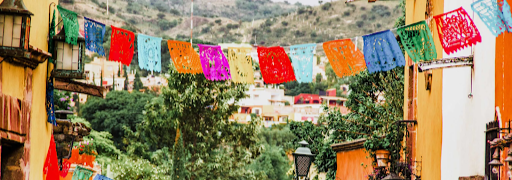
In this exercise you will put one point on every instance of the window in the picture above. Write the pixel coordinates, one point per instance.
(257, 111)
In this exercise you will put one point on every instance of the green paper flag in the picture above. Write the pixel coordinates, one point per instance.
(418, 42)
(81, 173)
(51, 34)
(70, 24)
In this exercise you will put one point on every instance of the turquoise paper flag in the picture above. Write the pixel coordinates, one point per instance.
(150, 57)
(302, 59)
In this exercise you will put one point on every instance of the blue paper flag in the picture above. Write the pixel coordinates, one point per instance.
(94, 32)
(101, 177)
(302, 59)
(50, 106)
(149, 52)
(381, 52)
(489, 12)
(507, 16)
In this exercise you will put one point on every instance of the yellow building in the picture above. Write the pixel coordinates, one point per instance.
(24, 69)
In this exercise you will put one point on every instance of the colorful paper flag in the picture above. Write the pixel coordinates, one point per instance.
(381, 52)
(214, 63)
(69, 18)
(240, 63)
(418, 42)
(185, 59)
(121, 46)
(302, 59)
(490, 13)
(456, 30)
(150, 57)
(94, 32)
(345, 58)
(275, 65)
(51, 164)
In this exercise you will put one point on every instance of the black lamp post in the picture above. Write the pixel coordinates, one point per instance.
(303, 159)
(64, 138)
(392, 176)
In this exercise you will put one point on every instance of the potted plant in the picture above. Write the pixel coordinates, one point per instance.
(379, 146)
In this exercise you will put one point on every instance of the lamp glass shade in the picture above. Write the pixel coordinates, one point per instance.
(12, 33)
(68, 56)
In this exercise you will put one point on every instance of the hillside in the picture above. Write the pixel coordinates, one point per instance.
(170, 19)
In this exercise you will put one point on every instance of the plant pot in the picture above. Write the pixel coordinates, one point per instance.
(382, 157)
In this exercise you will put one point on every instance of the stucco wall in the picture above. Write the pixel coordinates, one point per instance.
(427, 105)
(503, 81)
(464, 118)
(353, 165)
(13, 84)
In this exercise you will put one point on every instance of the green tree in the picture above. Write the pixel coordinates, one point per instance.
(216, 148)
(137, 83)
(126, 80)
(178, 158)
(119, 110)
(273, 163)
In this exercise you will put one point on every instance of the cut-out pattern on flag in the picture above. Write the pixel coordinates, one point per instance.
(381, 52)
(418, 42)
(150, 54)
(214, 63)
(185, 59)
(94, 33)
(302, 60)
(121, 46)
(81, 173)
(240, 63)
(456, 30)
(345, 58)
(275, 65)
(69, 18)
(51, 165)
(50, 106)
(490, 13)
(101, 177)
(505, 12)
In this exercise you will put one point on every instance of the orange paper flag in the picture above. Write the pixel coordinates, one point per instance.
(345, 58)
(185, 59)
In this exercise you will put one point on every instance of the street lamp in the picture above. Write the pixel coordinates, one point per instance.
(392, 176)
(14, 28)
(68, 57)
(508, 160)
(495, 163)
(63, 134)
(303, 159)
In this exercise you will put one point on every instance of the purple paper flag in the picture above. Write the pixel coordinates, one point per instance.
(215, 64)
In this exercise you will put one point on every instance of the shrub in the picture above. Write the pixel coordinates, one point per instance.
(132, 21)
(284, 23)
(111, 9)
(338, 19)
(346, 13)
(313, 34)
(301, 11)
(175, 12)
(326, 6)
(160, 15)
(165, 25)
(206, 30)
(218, 21)
(317, 19)
(360, 24)
(363, 8)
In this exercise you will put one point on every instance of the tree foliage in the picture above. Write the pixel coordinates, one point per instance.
(119, 110)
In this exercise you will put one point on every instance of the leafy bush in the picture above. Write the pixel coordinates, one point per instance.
(284, 23)
(206, 30)
(142, 169)
(273, 163)
(165, 24)
(218, 21)
(160, 15)
(326, 6)
(360, 24)
(346, 13)
(313, 34)
(175, 12)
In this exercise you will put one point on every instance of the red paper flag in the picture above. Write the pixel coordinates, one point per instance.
(121, 45)
(456, 30)
(275, 65)
(345, 58)
(51, 165)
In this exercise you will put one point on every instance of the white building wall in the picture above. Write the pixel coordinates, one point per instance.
(464, 118)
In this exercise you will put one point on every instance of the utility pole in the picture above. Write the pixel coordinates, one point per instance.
(191, 21)
(107, 8)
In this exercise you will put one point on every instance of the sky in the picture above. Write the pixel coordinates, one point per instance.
(305, 2)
